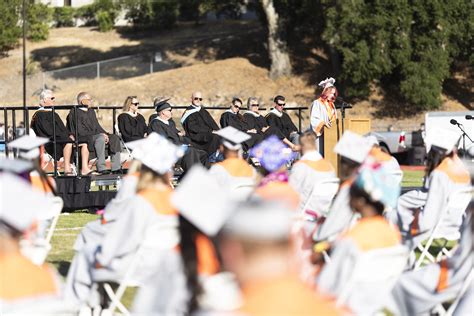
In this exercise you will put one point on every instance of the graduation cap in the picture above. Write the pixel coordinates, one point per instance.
(162, 105)
(15, 166)
(372, 140)
(272, 153)
(28, 146)
(353, 146)
(232, 138)
(261, 220)
(444, 138)
(157, 153)
(21, 203)
(202, 201)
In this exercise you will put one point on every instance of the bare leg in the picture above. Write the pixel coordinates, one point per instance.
(84, 159)
(67, 152)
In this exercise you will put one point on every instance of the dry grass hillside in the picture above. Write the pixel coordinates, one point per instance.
(221, 59)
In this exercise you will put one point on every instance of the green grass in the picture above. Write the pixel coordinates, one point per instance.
(412, 178)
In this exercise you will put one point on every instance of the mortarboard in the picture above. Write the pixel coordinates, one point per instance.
(272, 153)
(157, 153)
(372, 140)
(162, 105)
(440, 137)
(232, 138)
(21, 203)
(328, 82)
(202, 201)
(353, 146)
(378, 183)
(15, 166)
(256, 219)
(28, 146)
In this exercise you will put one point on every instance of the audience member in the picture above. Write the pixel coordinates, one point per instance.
(131, 123)
(282, 121)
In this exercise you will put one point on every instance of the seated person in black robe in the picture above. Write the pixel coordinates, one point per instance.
(90, 131)
(164, 125)
(131, 124)
(200, 127)
(233, 118)
(280, 120)
(255, 120)
(42, 124)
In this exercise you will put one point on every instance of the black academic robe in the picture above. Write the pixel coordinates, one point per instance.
(131, 127)
(42, 125)
(237, 121)
(192, 155)
(283, 123)
(88, 126)
(199, 126)
(258, 123)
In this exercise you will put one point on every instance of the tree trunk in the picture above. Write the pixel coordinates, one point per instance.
(277, 47)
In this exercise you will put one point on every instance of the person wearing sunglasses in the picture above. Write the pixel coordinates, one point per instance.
(281, 121)
(201, 128)
(131, 123)
(42, 124)
(232, 117)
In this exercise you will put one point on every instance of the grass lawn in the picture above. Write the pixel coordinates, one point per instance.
(70, 224)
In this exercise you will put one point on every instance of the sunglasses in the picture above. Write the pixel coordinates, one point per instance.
(52, 98)
(200, 99)
(136, 103)
(254, 104)
(237, 106)
(281, 104)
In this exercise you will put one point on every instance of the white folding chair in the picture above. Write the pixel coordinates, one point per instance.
(374, 270)
(158, 237)
(458, 201)
(128, 155)
(322, 196)
(37, 249)
(441, 311)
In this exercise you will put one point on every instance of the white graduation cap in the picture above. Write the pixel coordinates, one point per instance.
(353, 146)
(372, 140)
(202, 201)
(232, 138)
(260, 220)
(328, 82)
(22, 205)
(157, 153)
(15, 166)
(28, 146)
(443, 138)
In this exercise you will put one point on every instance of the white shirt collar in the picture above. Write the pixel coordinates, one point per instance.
(276, 112)
(132, 114)
(312, 155)
(252, 113)
(162, 120)
(196, 107)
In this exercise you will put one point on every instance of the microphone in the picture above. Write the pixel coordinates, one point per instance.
(341, 104)
(454, 122)
(469, 117)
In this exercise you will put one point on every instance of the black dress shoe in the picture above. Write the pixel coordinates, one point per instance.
(104, 172)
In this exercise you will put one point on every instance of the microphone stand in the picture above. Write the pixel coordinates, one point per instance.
(464, 135)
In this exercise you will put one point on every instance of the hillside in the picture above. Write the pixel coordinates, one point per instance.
(222, 59)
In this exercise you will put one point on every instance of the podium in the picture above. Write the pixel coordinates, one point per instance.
(357, 125)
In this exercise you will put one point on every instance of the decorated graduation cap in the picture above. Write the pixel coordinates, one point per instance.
(232, 138)
(272, 153)
(157, 153)
(442, 138)
(202, 201)
(28, 146)
(21, 203)
(375, 180)
(270, 221)
(326, 83)
(353, 146)
(372, 140)
(15, 166)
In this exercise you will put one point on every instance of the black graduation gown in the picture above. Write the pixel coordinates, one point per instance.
(199, 126)
(42, 125)
(283, 123)
(131, 127)
(259, 123)
(170, 132)
(237, 121)
(88, 126)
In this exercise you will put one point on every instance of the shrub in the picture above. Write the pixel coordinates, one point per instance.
(10, 31)
(38, 18)
(89, 13)
(156, 14)
(105, 20)
(64, 16)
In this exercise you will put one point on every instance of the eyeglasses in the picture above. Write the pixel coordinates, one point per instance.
(254, 104)
(237, 106)
(52, 98)
(200, 99)
(281, 104)
(135, 103)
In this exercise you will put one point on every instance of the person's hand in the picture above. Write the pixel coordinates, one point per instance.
(295, 148)
(72, 137)
(182, 133)
(214, 132)
(253, 131)
(265, 128)
(106, 138)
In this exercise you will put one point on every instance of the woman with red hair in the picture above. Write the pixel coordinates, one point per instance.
(323, 111)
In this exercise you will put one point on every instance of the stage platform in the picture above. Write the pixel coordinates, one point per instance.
(88, 192)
